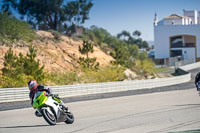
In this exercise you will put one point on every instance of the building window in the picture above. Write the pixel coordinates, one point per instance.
(189, 45)
(173, 22)
(176, 42)
(175, 53)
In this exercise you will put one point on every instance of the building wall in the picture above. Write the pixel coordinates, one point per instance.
(187, 21)
(188, 53)
(175, 21)
(192, 14)
(198, 17)
(163, 33)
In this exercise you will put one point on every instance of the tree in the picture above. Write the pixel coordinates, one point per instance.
(137, 33)
(12, 65)
(7, 5)
(100, 33)
(31, 66)
(16, 66)
(87, 47)
(133, 39)
(50, 14)
(87, 62)
(122, 54)
(77, 11)
(145, 44)
(124, 35)
(134, 50)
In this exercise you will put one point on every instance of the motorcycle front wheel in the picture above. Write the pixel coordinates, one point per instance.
(48, 116)
(70, 118)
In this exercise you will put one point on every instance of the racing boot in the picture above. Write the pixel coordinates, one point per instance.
(38, 114)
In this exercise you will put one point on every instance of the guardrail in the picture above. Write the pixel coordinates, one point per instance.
(190, 66)
(22, 94)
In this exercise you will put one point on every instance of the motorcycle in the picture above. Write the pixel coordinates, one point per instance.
(52, 108)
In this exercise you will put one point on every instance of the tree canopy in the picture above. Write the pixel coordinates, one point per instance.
(132, 39)
(51, 14)
(87, 62)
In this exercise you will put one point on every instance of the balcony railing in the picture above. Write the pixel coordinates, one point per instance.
(183, 45)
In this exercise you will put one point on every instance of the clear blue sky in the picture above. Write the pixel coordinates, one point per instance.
(131, 15)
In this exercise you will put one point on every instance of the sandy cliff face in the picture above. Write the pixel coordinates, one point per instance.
(57, 55)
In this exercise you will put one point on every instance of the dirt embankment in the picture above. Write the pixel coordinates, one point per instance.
(57, 55)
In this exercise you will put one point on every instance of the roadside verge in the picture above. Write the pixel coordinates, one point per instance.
(73, 93)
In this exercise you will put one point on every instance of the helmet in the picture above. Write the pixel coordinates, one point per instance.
(32, 85)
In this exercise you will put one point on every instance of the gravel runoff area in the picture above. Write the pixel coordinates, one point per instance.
(187, 85)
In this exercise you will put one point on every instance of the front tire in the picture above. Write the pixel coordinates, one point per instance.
(70, 118)
(48, 116)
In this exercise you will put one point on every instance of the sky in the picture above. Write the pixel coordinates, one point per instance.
(118, 15)
(131, 15)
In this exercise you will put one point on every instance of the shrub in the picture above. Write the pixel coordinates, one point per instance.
(62, 79)
(9, 82)
(13, 30)
(104, 74)
(19, 69)
(145, 67)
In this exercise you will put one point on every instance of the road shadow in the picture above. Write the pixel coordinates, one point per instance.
(188, 131)
(25, 126)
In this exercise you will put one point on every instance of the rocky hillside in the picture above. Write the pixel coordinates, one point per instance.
(57, 54)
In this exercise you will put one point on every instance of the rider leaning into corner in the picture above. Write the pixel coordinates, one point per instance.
(197, 82)
(34, 87)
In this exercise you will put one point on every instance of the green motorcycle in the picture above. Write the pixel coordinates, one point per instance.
(52, 108)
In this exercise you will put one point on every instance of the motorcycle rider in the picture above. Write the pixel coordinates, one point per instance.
(197, 82)
(34, 87)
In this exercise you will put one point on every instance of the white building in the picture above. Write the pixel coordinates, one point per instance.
(178, 36)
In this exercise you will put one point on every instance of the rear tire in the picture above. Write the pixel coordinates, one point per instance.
(49, 118)
(70, 118)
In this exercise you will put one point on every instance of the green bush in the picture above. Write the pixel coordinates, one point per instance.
(62, 78)
(13, 30)
(144, 67)
(18, 70)
(19, 81)
(103, 74)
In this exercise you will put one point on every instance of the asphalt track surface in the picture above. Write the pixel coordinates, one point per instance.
(166, 109)
(161, 112)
